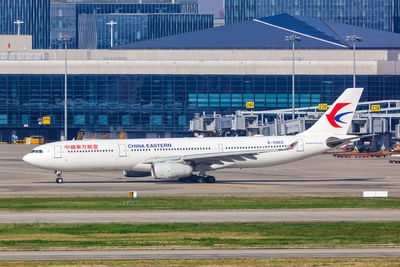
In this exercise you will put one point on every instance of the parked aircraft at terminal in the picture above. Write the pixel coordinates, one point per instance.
(183, 157)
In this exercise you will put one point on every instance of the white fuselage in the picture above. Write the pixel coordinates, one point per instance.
(129, 154)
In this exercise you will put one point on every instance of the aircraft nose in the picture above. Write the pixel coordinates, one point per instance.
(27, 158)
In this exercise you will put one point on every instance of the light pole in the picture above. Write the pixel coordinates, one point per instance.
(65, 39)
(292, 38)
(19, 22)
(112, 23)
(353, 38)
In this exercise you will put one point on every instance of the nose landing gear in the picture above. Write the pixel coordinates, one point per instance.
(58, 174)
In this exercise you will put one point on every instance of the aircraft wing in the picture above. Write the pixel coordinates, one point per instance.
(218, 157)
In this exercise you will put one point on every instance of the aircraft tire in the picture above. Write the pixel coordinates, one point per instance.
(200, 180)
(210, 179)
(59, 180)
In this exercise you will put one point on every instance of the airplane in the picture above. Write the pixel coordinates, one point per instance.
(182, 158)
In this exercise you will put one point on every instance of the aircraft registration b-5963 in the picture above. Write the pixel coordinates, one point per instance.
(182, 158)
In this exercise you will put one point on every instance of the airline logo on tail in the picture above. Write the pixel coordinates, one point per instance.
(335, 118)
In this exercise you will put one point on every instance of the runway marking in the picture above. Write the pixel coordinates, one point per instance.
(2, 189)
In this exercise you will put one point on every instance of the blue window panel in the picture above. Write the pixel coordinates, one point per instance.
(3, 119)
(182, 120)
(225, 100)
(282, 98)
(283, 105)
(304, 96)
(248, 98)
(315, 99)
(24, 119)
(259, 100)
(271, 101)
(155, 120)
(202, 100)
(237, 100)
(214, 100)
(79, 119)
(270, 98)
(103, 120)
(126, 120)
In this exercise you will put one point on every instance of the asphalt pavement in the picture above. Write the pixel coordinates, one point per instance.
(198, 254)
(322, 175)
(268, 216)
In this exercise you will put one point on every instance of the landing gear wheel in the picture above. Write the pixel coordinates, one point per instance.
(210, 179)
(58, 174)
(200, 180)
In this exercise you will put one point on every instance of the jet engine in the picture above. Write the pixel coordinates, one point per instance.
(170, 170)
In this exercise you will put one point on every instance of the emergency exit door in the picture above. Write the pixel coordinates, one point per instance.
(122, 150)
(220, 147)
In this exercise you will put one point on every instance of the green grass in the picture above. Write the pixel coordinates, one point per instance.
(195, 235)
(194, 203)
(359, 262)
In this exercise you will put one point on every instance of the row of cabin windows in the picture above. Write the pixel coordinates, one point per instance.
(254, 147)
(206, 148)
(90, 151)
(173, 149)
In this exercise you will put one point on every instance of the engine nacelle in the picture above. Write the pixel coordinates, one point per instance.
(136, 174)
(170, 170)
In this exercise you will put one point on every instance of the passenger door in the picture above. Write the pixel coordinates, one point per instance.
(57, 152)
(300, 145)
(122, 150)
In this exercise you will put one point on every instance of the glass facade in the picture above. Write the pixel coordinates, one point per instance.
(96, 34)
(375, 14)
(161, 25)
(63, 22)
(36, 17)
(160, 103)
(78, 19)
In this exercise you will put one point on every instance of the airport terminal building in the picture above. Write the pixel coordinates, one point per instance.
(154, 88)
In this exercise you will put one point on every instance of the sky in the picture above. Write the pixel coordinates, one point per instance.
(210, 6)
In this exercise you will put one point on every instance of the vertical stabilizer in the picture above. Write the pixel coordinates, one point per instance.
(337, 119)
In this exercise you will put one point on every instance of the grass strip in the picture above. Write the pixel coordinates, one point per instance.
(301, 262)
(195, 235)
(194, 203)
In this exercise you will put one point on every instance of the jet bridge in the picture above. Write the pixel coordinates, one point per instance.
(381, 118)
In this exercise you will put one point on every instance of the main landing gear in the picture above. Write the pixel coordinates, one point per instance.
(197, 179)
(58, 174)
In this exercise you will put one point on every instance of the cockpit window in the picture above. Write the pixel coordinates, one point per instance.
(37, 151)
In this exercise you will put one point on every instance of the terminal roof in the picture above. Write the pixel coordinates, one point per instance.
(270, 33)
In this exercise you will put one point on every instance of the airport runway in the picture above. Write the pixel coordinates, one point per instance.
(323, 175)
(269, 216)
(198, 254)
